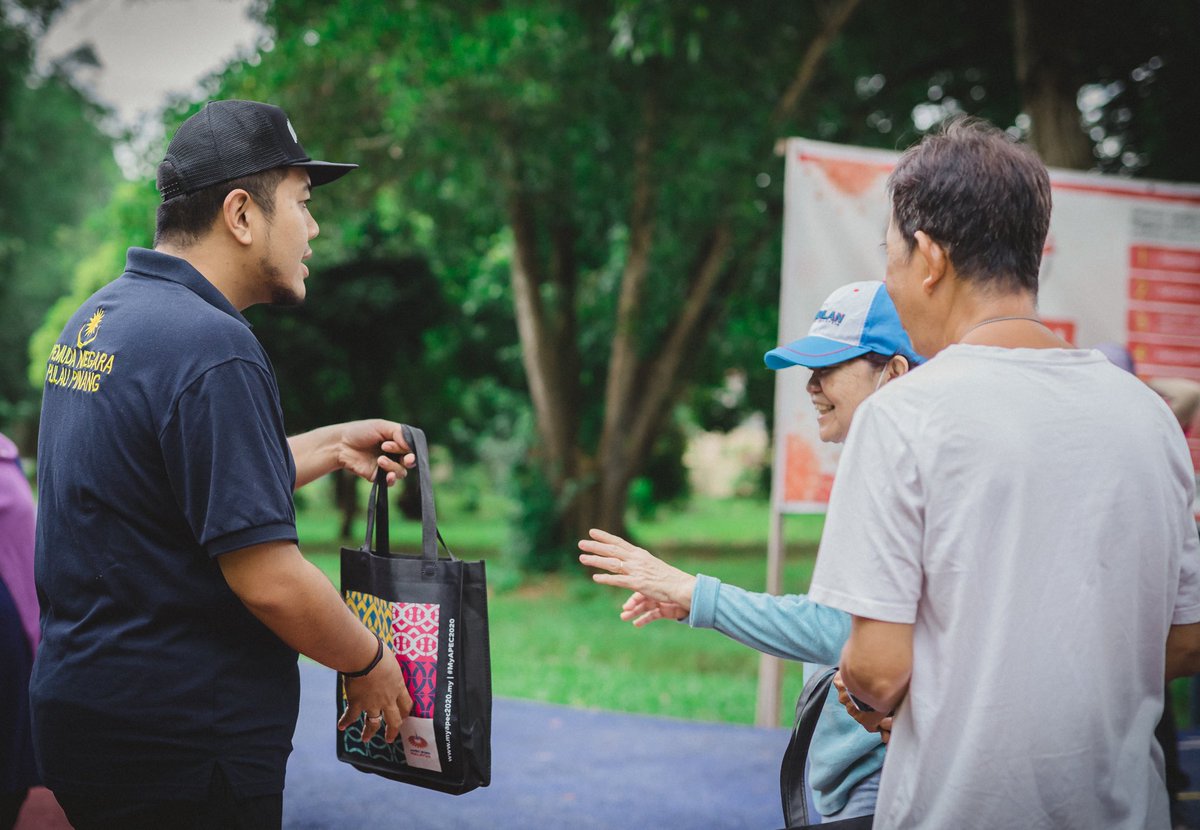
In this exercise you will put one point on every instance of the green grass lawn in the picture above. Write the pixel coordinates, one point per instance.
(559, 639)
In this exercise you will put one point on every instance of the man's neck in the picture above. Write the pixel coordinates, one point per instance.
(1008, 321)
(215, 266)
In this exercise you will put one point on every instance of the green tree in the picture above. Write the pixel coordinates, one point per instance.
(609, 150)
(593, 185)
(125, 221)
(617, 157)
(21, 22)
(356, 348)
(56, 165)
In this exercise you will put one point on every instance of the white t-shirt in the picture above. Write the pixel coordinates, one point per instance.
(1029, 511)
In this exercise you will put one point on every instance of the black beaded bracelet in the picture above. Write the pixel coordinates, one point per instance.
(374, 662)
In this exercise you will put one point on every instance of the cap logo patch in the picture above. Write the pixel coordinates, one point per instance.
(835, 317)
(292, 130)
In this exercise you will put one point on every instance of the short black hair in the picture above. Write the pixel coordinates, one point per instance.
(980, 195)
(879, 360)
(185, 219)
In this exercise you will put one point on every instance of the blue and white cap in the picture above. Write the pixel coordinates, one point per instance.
(856, 319)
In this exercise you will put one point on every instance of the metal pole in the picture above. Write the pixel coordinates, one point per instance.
(770, 669)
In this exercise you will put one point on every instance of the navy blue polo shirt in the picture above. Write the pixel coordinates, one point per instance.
(162, 447)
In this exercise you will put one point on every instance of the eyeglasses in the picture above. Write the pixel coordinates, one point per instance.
(820, 373)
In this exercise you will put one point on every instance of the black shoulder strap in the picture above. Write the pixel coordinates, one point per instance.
(792, 788)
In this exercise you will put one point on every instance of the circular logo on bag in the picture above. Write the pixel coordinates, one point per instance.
(417, 742)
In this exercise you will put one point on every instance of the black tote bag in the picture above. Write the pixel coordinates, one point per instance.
(793, 789)
(432, 612)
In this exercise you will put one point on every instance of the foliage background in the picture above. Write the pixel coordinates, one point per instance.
(561, 255)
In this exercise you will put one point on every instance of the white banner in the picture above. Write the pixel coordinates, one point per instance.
(1121, 264)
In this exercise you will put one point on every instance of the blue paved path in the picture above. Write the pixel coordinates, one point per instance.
(1189, 759)
(557, 767)
(552, 767)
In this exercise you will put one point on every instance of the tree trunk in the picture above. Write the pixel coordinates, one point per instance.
(836, 18)
(1046, 50)
(597, 504)
(345, 496)
(614, 471)
(640, 389)
(545, 325)
(408, 500)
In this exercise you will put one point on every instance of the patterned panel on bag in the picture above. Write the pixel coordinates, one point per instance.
(415, 641)
(375, 613)
(411, 630)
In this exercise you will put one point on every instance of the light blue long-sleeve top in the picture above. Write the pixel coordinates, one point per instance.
(794, 627)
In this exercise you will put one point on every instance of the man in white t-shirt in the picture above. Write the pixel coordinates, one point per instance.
(1010, 528)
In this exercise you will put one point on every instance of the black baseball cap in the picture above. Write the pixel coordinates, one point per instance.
(230, 139)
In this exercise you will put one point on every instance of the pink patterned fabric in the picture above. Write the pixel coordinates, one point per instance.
(415, 641)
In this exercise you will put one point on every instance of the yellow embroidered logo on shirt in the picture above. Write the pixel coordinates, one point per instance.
(77, 367)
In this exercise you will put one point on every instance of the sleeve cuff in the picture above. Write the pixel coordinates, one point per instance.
(1186, 616)
(704, 602)
(274, 532)
(859, 607)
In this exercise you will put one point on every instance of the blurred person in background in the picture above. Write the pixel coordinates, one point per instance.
(1183, 396)
(18, 633)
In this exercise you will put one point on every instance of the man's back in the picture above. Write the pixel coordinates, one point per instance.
(161, 436)
(1031, 523)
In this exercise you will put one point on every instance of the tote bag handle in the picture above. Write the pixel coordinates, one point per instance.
(377, 506)
(792, 787)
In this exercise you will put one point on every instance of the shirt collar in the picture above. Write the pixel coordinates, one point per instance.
(157, 265)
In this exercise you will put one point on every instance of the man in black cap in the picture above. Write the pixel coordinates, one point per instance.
(174, 597)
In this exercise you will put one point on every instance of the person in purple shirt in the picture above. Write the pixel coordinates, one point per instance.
(18, 632)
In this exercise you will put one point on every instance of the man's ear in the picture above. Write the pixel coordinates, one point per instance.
(235, 214)
(897, 366)
(936, 260)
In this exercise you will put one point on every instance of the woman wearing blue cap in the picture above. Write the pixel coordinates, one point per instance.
(856, 345)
